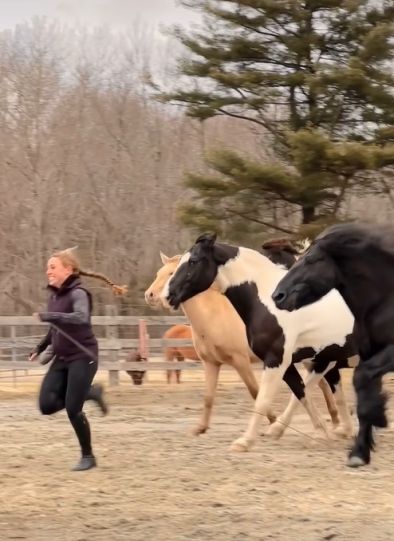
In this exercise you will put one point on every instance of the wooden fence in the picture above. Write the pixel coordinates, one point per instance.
(20, 334)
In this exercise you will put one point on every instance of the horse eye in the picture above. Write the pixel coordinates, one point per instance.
(191, 262)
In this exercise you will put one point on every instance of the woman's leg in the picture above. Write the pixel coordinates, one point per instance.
(53, 389)
(80, 376)
(96, 393)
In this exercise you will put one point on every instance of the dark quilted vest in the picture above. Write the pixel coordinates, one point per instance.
(61, 301)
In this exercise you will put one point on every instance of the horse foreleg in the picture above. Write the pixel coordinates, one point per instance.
(180, 359)
(269, 386)
(371, 403)
(245, 371)
(169, 357)
(211, 371)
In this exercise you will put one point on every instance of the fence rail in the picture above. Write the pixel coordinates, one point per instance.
(108, 320)
(14, 349)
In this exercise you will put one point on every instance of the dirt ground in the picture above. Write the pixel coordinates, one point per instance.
(156, 482)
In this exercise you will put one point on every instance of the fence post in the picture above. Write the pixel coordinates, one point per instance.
(143, 339)
(111, 332)
(13, 352)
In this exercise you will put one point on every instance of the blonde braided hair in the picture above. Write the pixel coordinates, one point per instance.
(69, 259)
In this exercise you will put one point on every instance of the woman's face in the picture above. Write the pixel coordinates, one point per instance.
(57, 273)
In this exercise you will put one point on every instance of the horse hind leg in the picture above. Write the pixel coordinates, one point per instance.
(345, 427)
(300, 392)
(169, 357)
(329, 398)
(328, 390)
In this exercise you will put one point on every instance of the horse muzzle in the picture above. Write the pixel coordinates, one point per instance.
(152, 300)
(285, 300)
(173, 301)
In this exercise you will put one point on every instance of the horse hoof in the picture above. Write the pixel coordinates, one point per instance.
(275, 431)
(356, 462)
(197, 430)
(240, 446)
(343, 431)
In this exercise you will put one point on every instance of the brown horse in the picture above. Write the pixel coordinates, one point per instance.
(179, 353)
(219, 337)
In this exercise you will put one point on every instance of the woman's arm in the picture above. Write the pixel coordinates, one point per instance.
(79, 315)
(43, 344)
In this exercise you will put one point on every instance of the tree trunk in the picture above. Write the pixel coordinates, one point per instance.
(308, 215)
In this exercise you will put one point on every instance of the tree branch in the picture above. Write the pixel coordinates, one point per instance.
(262, 222)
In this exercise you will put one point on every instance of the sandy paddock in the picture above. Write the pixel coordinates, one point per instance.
(156, 482)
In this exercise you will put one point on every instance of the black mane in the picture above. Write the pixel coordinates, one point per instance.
(355, 238)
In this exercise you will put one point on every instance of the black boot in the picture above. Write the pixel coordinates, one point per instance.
(96, 393)
(86, 463)
(82, 430)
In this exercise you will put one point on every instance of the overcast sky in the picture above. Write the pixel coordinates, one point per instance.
(116, 13)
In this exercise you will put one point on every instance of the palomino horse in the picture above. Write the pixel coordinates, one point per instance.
(321, 332)
(179, 353)
(219, 337)
(358, 261)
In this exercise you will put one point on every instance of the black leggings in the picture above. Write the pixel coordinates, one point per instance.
(67, 385)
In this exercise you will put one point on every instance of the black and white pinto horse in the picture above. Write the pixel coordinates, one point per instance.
(358, 261)
(322, 332)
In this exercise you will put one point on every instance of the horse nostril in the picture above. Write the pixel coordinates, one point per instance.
(148, 296)
(279, 296)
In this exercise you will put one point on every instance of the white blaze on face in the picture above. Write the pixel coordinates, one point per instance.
(166, 289)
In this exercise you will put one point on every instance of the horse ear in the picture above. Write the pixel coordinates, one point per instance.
(303, 245)
(164, 259)
(207, 240)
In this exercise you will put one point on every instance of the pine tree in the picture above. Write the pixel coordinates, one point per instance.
(315, 77)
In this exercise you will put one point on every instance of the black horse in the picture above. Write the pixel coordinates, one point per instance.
(358, 261)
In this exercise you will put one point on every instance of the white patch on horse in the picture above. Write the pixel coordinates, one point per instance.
(318, 325)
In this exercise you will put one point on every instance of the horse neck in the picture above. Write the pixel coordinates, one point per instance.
(250, 266)
(368, 289)
(198, 309)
